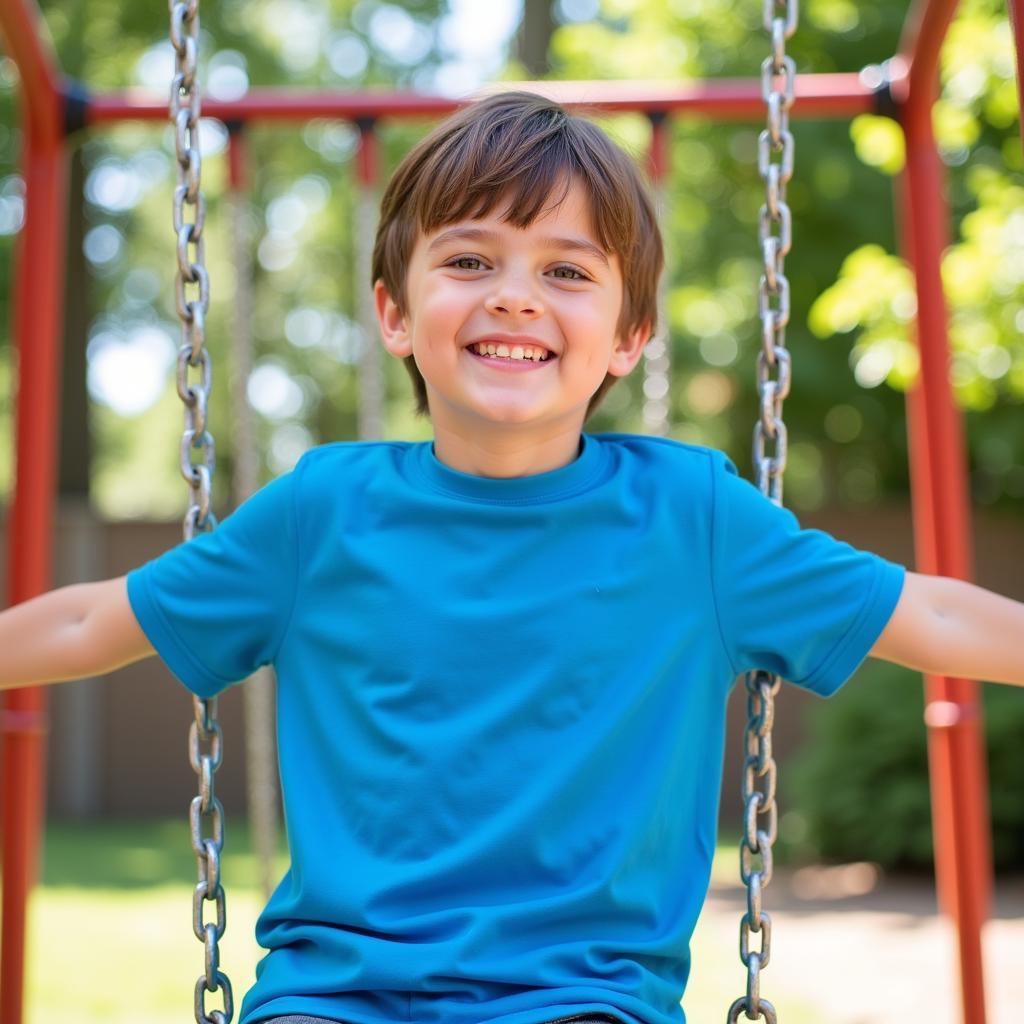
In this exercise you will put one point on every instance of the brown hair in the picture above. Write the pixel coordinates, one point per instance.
(524, 146)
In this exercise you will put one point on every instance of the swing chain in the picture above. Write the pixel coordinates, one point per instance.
(780, 19)
(760, 819)
(205, 737)
(184, 115)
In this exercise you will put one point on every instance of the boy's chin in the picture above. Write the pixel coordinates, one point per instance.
(497, 414)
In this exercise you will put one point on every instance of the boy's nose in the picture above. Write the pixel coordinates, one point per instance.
(515, 298)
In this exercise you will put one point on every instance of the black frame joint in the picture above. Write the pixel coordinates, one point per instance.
(879, 78)
(76, 99)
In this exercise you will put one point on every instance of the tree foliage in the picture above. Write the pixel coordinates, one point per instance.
(860, 788)
(852, 293)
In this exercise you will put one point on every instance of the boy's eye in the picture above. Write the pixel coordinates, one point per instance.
(570, 270)
(564, 272)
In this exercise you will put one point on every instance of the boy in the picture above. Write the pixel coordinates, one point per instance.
(503, 657)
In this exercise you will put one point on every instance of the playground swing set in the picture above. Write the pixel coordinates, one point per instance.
(53, 109)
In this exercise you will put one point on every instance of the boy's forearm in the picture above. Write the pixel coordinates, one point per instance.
(41, 640)
(948, 627)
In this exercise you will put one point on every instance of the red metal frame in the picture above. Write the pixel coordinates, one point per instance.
(37, 323)
(941, 513)
(938, 481)
(1016, 9)
(238, 159)
(832, 95)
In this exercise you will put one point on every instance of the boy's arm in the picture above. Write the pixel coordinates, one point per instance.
(948, 627)
(86, 629)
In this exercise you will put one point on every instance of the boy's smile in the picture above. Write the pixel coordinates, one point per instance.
(512, 351)
(482, 298)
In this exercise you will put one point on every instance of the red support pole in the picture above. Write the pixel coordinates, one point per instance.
(368, 153)
(657, 150)
(238, 157)
(1016, 12)
(37, 291)
(38, 301)
(22, 31)
(941, 511)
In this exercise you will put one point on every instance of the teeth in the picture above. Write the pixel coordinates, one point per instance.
(489, 348)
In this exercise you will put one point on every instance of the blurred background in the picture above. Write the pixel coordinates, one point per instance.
(854, 783)
(852, 294)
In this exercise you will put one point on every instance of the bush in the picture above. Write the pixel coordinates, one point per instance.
(860, 783)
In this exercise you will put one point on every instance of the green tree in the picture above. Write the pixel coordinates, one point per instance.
(851, 294)
(976, 128)
(303, 190)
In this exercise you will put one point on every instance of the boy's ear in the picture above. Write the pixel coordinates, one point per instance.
(628, 349)
(394, 329)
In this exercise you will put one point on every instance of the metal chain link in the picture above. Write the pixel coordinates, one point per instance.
(758, 790)
(184, 115)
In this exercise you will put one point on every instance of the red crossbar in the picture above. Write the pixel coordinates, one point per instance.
(834, 95)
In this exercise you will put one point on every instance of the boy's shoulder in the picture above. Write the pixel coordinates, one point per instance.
(683, 456)
(330, 453)
(325, 468)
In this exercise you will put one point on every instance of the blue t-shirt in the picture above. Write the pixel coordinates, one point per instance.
(501, 707)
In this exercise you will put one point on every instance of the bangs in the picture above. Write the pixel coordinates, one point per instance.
(526, 164)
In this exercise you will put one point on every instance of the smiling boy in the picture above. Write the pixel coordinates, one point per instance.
(487, 234)
(503, 657)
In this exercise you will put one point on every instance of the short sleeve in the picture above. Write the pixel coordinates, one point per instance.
(793, 601)
(217, 607)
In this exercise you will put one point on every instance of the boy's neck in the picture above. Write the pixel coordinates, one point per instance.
(506, 455)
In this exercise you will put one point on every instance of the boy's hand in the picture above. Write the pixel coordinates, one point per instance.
(948, 627)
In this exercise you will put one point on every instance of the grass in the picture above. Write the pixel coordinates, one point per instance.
(110, 929)
(110, 925)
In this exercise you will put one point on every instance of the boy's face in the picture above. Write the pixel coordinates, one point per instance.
(485, 280)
